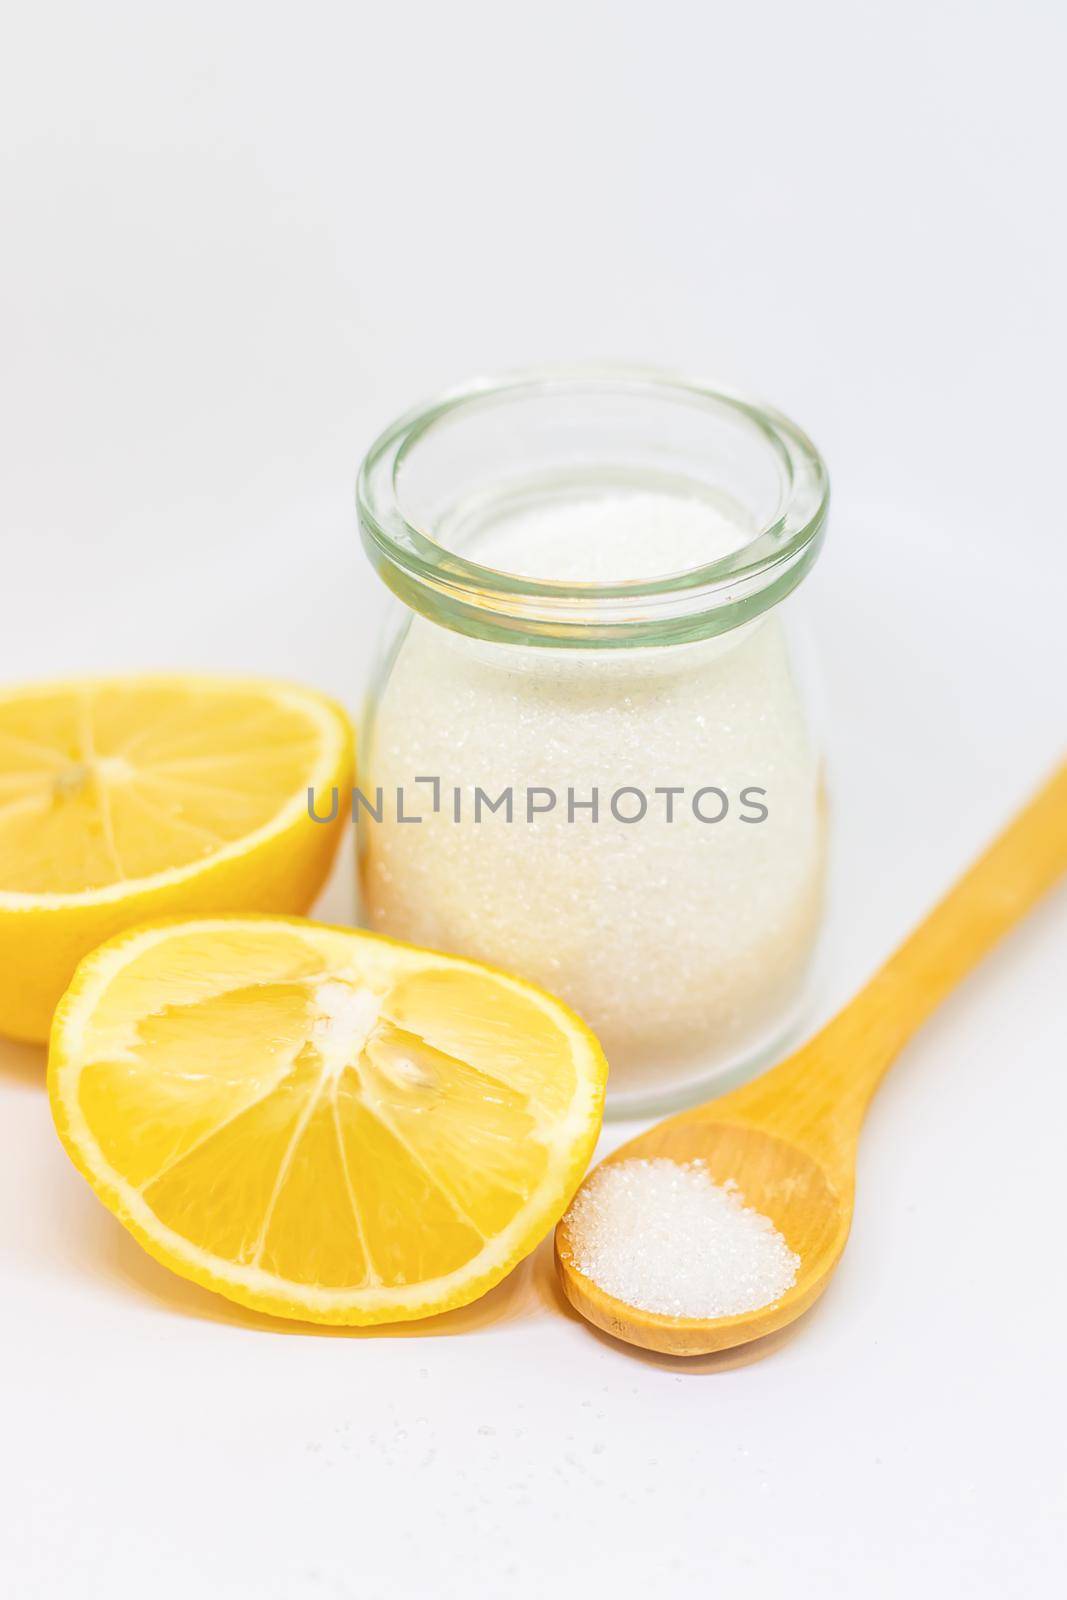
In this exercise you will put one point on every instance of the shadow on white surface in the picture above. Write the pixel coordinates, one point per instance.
(22, 1066)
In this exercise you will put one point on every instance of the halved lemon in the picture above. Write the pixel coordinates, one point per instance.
(318, 1122)
(129, 798)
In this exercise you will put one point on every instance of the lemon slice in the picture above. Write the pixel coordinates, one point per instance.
(125, 799)
(322, 1123)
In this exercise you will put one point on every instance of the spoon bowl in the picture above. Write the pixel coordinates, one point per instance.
(781, 1179)
(789, 1139)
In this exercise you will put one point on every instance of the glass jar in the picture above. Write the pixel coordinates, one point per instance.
(587, 756)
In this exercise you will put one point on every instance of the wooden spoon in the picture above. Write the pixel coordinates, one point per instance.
(789, 1138)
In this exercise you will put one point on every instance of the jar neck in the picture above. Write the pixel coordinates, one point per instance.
(591, 431)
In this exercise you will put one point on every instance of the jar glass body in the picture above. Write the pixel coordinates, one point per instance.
(610, 754)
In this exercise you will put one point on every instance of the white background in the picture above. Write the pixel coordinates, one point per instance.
(237, 239)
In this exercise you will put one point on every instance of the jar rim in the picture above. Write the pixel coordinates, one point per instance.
(696, 602)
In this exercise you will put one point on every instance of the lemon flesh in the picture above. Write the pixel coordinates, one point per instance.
(318, 1122)
(125, 799)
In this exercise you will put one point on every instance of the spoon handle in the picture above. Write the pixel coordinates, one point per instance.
(832, 1078)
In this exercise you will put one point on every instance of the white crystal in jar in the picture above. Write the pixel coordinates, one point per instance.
(682, 943)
